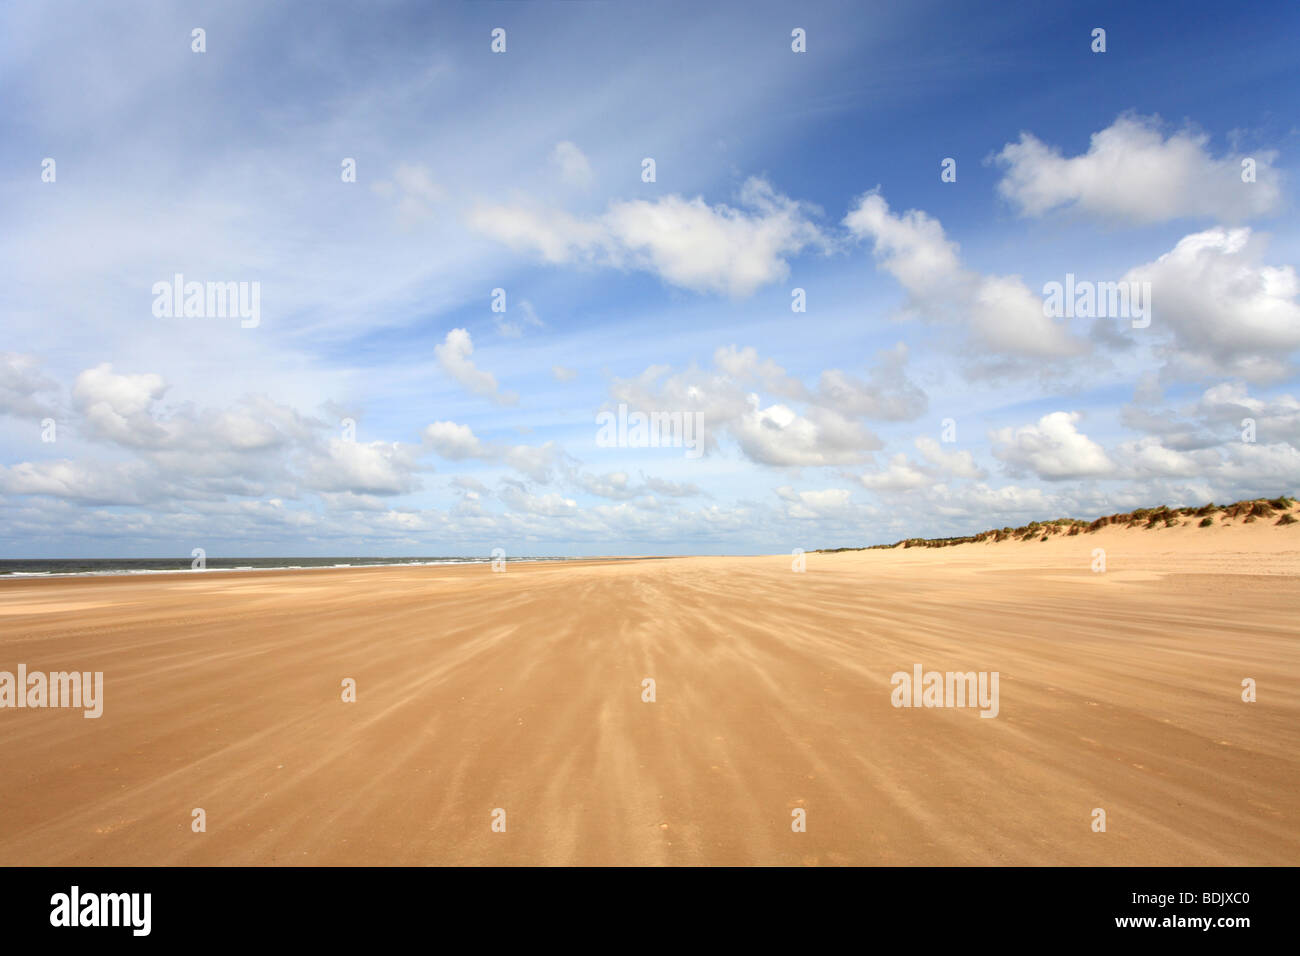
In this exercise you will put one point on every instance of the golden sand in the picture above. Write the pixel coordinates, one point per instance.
(522, 691)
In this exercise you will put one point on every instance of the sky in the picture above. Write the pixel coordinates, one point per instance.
(840, 270)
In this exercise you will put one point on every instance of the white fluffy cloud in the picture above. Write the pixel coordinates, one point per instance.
(118, 407)
(1147, 457)
(899, 475)
(1004, 317)
(22, 386)
(548, 505)
(808, 428)
(1132, 173)
(1227, 312)
(686, 242)
(455, 356)
(128, 483)
(957, 464)
(454, 442)
(1230, 404)
(809, 505)
(1219, 417)
(886, 395)
(457, 442)
(1053, 449)
(777, 435)
(252, 448)
(376, 468)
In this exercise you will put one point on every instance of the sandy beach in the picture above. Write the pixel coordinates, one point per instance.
(523, 691)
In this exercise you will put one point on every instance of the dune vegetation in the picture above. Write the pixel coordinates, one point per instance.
(1278, 510)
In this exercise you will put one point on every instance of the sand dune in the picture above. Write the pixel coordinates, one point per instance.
(477, 690)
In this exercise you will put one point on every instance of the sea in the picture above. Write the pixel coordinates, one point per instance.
(65, 567)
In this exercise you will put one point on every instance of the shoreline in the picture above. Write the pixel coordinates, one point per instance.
(131, 573)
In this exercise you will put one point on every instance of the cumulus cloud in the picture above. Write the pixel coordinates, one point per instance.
(983, 506)
(619, 486)
(615, 485)
(1230, 471)
(551, 504)
(886, 395)
(1228, 314)
(22, 386)
(1254, 469)
(1053, 449)
(775, 433)
(1229, 404)
(899, 475)
(686, 242)
(804, 428)
(1148, 457)
(123, 410)
(957, 464)
(745, 366)
(117, 407)
(1002, 314)
(1219, 415)
(808, 505)
(902, 476)
(251, 448)
(454, 442)
(91, 483)
(375, 468)
(457, 442)
(1132, 173)
(454, 355)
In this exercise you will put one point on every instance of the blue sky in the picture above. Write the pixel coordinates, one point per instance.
(522, 171)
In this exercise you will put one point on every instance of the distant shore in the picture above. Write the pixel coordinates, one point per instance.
(96, 567)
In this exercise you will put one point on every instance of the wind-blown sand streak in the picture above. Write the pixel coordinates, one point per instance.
(522, 690)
